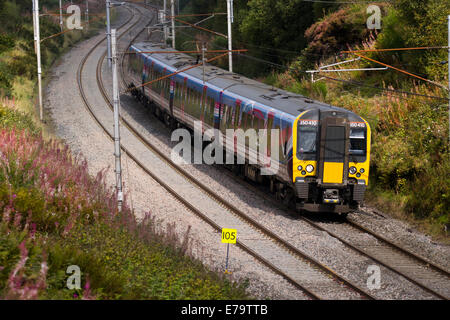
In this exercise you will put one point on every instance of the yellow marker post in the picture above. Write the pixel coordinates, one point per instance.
(228, 236)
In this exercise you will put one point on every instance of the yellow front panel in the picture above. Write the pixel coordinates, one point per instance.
(333, 172)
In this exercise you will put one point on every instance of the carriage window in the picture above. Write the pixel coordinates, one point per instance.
(236, 116)
(230, 116)
(210, 111)
(176, 95)
(246, 120)
(306, 141)
(261, 123)
(224, 117)
(269, 132)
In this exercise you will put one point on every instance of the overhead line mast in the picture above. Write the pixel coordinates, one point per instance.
(230, 19)
(173, 22)
(116, 104)
(164, 21)
(108, 31)
(37, 42)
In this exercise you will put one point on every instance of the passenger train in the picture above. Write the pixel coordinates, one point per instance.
(324, 152)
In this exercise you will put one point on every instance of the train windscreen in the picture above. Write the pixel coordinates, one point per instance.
(307, 142)
(358, 145)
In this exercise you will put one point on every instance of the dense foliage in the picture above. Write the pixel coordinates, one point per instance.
(54, 215)
(17, 56)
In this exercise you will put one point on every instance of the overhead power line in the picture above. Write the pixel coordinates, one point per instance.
(394, 49)
(62, 32)
(177, 72)
(360, 84)
(402, 71)
(350, 82)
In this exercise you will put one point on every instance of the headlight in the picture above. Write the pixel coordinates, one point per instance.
(352, 170)
(310, 168)
(362, 170)
(300, 168)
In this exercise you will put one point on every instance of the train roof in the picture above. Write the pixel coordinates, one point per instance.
(288, 102)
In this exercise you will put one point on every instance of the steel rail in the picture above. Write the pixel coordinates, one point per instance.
(355, 225)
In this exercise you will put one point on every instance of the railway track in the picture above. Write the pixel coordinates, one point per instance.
(301, 270)
(304, 272)
(420, 271)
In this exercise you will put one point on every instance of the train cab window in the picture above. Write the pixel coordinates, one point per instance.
(358, 144)
(307, 142)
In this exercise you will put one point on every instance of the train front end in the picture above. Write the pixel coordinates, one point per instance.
(331, 155)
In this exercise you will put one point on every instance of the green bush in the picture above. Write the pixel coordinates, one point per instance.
(14, 119)
(430, 194)
(6, 42)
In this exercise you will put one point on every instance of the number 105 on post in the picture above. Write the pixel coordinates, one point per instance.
(229, 235)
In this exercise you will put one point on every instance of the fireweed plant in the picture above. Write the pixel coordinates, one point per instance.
(54, 214)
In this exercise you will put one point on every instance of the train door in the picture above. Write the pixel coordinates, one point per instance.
(334, 143)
